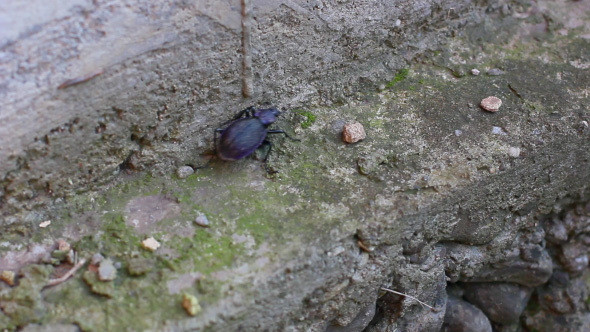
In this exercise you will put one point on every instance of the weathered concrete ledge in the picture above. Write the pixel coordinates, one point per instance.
(92, 87)
(443, 200)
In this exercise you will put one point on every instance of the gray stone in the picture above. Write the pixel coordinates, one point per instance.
(495, 72)
(184, 172)
(462, 316)
(516, 270)
(358, 324)
(543, 321)
(564, 295)
(96, 259)
(107, 270)
(420, 317)
(574, 256)
(503, 303)
(556, 232)
(202, 220)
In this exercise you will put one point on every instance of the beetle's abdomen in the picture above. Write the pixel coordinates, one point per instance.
(240, 139)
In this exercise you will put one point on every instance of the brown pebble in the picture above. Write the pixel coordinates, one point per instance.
(8, 277)
(62, 245)
(491, 104)
(353, 132)
(191, 304)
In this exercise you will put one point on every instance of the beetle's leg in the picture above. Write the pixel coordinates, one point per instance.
(248, 111)
(218, 130)
(280, 131)
(265, 160)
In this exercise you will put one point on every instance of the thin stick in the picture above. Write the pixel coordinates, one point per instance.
(247, 79)
(53, 282)
(406, 295)
(78, 80)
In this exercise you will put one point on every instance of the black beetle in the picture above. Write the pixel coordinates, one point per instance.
(246, 132)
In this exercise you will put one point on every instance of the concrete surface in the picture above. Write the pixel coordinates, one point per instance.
(440, 192)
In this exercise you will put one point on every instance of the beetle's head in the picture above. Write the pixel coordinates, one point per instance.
(267, 116)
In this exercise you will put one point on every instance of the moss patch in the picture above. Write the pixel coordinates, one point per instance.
(400, 76)
(309, 118)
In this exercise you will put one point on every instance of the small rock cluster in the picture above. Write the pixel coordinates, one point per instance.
(539, 285)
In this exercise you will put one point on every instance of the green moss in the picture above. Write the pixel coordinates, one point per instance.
(23, 303)
(309, 118)
(376, 123)
(99, 287)
(400, 76)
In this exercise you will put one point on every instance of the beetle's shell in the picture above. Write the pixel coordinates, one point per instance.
(241, 138)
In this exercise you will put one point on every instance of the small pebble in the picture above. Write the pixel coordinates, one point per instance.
(45, 223)
(475, 72)
(491, 104)
(7, 277)
(202, 220)
(106, 270)
(71, 257)
(495, 72)
(62, 245)
(96, 258)
(184, 172)
(190, 304)
(353, 132)
(514, 152)
(458, 132)
(498, 131)
(150, 244)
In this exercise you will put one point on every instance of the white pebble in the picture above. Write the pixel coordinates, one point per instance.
(150, 244)
(475, 72)
(202, 220)
(498, 131)
(45, 223)
(458, 132)
(514, 152)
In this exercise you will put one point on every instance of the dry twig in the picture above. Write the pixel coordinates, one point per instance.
(406, 295)
(53, 282)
